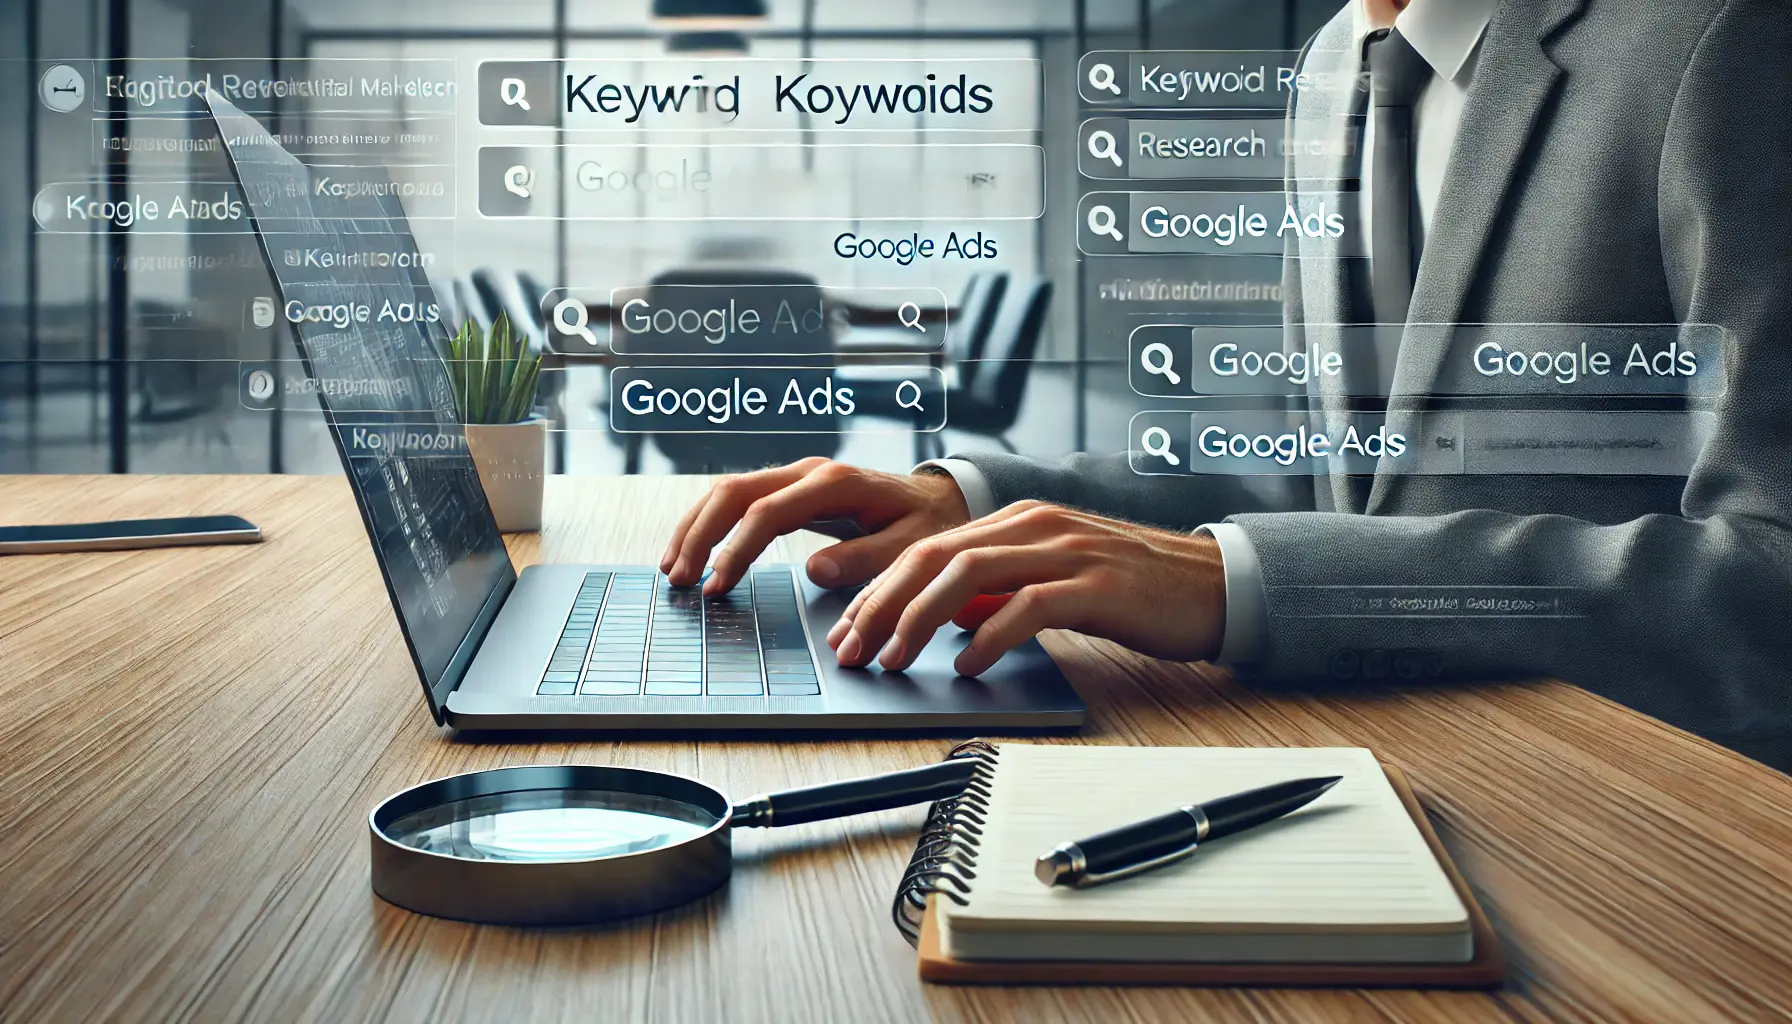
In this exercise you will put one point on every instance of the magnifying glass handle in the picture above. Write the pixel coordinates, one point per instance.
(921, 785)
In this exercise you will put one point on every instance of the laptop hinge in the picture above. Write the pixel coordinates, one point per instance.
(456, 669)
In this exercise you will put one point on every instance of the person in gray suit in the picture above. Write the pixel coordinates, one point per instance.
(1573, 162)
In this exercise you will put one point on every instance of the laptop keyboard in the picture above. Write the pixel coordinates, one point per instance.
(633, 634)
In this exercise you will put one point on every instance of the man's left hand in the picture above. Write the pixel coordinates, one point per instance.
(1155, 591)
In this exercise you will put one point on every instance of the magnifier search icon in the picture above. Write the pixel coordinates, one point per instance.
(1156, 441)
(517, 181)
(1101, 76)
(1157, 358)
(1103, 222)
(909, 315)
(571, 317)
(1101, 147)
(513, 92)
(914, 403)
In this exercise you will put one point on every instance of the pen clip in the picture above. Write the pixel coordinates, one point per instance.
(1103, 877)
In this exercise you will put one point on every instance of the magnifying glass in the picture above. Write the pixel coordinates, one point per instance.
(909, 315)
(512, 91)
(517, 181)
(1162, 365)
(577, 844)
(571, 317)
(1101, 147)
(1103, 222)
(1101, 76)
(913, 404)
(1156, 441)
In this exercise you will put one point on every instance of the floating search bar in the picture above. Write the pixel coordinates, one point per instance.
(767, 182)
(1212, 223)
(784, 319)
(763, 93)
(1233, 148)
(1448, 443)
(774, 400)
(1201, 79)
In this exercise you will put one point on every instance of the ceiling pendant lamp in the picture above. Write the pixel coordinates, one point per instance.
(701, 15)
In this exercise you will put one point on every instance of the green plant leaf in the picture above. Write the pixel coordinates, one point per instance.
(519, 399)
(458, 354)
(493, 373)
(499, 366)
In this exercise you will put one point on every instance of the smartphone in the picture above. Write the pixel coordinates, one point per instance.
(127, 534)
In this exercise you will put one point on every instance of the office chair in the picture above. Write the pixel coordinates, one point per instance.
(874, 386)
(535, 299)
(989, 405)
(468, 306)
(969, 332)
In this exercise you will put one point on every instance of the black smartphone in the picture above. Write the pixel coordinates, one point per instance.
(127, 534)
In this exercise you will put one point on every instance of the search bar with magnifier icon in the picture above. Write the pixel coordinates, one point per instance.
(572, 320)
(1099, 77)
(514, 93)
(1102, 153)
(1196, 79)
(507, 182)
(1159, 364)
(773, 400)
(1101, 223)
(1158, 443)
(792, 318)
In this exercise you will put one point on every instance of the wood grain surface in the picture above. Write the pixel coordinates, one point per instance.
(191, 740)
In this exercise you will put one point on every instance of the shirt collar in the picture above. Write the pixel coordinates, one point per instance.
(1444, 32)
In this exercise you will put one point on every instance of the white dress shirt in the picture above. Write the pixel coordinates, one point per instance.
(1447, 33)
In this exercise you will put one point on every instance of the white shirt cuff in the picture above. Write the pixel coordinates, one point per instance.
(979, 499)
(1247, 618)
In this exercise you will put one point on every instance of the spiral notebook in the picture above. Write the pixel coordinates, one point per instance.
(1353, 889)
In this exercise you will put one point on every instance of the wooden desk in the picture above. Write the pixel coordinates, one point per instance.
(191, 741)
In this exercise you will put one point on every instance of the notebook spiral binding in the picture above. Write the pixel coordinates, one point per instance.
(945, 858)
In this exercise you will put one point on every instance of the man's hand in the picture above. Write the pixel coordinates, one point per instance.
(890, 512)
(1157, 592)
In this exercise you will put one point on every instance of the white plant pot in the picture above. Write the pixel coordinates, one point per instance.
(512, 463)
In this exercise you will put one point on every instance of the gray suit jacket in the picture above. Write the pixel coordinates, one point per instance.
(1619, 161)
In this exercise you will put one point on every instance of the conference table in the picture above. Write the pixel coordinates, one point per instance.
(191, 740)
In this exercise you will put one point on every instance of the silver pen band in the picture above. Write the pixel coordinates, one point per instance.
(1202, 825)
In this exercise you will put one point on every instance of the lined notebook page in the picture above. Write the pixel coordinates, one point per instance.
(1351, 860)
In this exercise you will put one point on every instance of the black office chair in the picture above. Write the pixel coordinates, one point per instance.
(535, 298)
(990, 403)
(874, 386)
(469, 305)
(969, 331)
(808, 355)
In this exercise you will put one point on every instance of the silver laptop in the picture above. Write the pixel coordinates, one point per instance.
(612, 647)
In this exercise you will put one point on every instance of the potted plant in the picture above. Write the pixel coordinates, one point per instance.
(493, 375)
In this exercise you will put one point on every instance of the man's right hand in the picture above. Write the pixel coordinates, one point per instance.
(890, 511)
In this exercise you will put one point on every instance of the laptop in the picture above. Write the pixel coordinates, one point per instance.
(605, 647)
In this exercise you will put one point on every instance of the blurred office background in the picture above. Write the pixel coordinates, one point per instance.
(122, 351)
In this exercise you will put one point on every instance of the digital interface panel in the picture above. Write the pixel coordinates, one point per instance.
(386, 390)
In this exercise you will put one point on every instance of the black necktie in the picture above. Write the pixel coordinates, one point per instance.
(1396, 71)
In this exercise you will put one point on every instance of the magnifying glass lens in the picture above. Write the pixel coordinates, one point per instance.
(533, 826)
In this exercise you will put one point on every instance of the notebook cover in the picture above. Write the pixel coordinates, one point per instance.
(1486, 970)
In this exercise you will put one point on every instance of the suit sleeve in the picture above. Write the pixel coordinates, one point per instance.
(1106, 485)
(1683, 617)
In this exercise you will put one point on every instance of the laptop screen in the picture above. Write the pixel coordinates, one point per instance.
(370, 340)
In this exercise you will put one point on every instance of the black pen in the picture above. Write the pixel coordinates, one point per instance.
(1143, 846)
